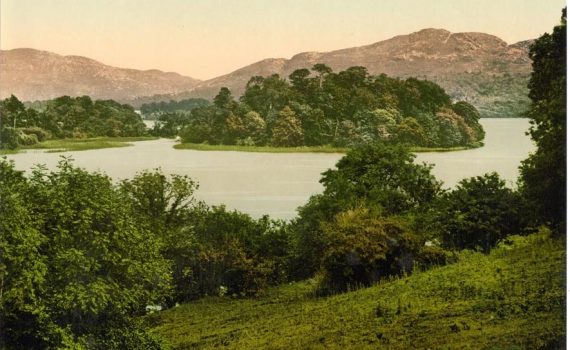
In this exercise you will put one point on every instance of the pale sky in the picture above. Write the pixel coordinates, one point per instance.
(207, 38)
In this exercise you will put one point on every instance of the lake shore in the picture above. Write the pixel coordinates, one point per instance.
(260, 183)
(305, 149)
(66, 145)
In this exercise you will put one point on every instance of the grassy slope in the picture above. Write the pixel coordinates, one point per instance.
(304, 149)
(511, 299)
(63, 145)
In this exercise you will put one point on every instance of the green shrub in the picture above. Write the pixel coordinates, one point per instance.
(40, 133)
(27, 140)
(362, 248)
(431, 256)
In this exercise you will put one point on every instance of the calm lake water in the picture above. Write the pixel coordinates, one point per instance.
(278, 183)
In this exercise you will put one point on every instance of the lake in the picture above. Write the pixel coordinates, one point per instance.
(278, 183)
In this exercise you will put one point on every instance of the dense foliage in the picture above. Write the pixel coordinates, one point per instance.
(81, 256)
(75, 263)
(543, 174)
(66, 117)
(153, 109)
(320, 107)
(382, 178)
(362, 248)
(477, 214)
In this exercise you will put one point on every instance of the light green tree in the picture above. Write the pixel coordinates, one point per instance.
(287, 131)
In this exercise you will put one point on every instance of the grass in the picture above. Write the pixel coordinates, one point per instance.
(64, 145)
(7, 151)
(304, 149)
(266, 149)
(446, 149)
(513, 298)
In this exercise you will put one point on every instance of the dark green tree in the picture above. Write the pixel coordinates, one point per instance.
(543, 174)
(478, 213)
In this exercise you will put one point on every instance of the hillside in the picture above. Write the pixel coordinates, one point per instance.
(40, 75)
(476, 67)
(513, 298)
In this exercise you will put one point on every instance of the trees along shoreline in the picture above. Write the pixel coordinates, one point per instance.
(82, 256)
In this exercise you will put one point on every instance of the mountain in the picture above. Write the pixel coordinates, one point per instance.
(476, 67)
(39, 75)
(479, 68)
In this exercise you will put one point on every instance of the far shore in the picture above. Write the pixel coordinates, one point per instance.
(304, 149)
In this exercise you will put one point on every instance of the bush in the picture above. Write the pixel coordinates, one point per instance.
(431, 256)
(40, 133)
(27, 140)
(363, 248)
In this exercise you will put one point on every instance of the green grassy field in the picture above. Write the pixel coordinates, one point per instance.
(64, 145)
(304, 149)
(513, 298)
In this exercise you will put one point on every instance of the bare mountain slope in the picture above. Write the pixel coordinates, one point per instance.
(476, 67)
(38, 75)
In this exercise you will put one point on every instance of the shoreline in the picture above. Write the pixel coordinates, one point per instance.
(306, 149)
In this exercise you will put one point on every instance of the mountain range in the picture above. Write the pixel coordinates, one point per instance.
(39, 75)
(476, 67)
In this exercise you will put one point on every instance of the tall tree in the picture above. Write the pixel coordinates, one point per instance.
(287, 131)
(543, 174)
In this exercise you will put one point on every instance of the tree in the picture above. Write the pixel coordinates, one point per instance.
(224, 98)
(478, 213)
(12, 110)
(255, 126)
(103, 267)
(382, 176)
(235, 128)
(471, 117)
(410, 132)
(162, 202)
(23, 268)
(384, 179)
(543, 174)
(299, 80)
(287, 130)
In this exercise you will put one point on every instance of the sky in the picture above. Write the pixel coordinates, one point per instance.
(207, 38)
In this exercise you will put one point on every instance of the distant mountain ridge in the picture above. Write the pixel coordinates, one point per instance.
(476, 67)
(40, 75)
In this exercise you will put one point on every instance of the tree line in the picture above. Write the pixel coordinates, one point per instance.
(152, 110)
(66, 117)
